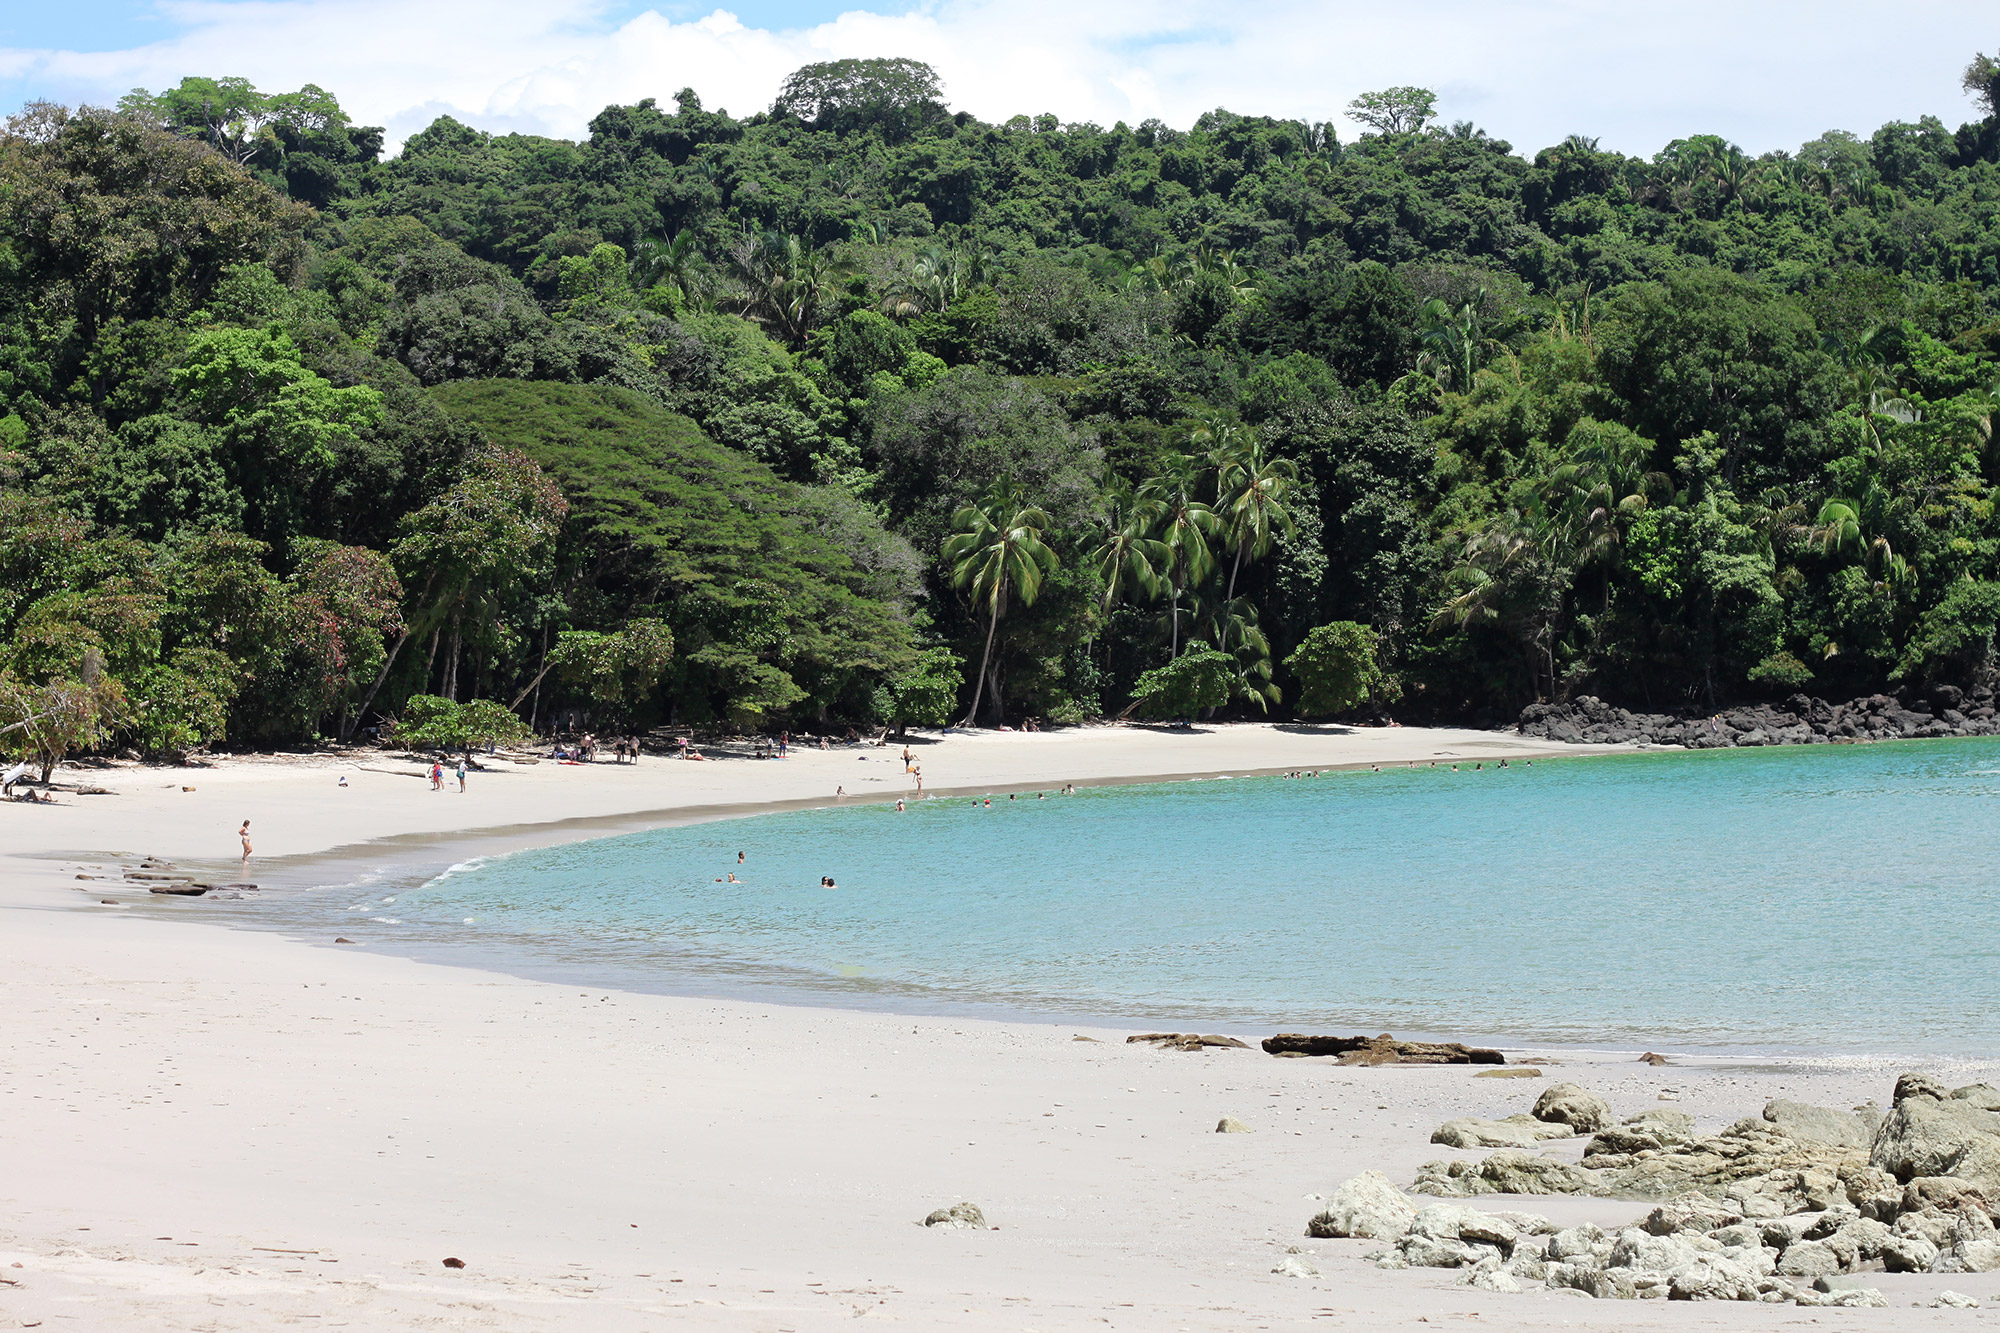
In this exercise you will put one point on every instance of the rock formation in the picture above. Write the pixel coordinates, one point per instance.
(1382, 1050)
(1802, 720)
(1783, 1207)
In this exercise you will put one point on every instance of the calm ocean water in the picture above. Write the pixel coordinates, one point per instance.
(1823, 899)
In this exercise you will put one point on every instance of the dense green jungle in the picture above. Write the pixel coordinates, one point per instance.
(859, 411)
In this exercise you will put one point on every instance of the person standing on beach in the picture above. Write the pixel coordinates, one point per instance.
(461, 777)
(244, 834)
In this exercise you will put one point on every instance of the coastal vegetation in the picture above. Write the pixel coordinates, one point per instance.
(859, 409)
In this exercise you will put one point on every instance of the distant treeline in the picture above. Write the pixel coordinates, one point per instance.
(860, 410)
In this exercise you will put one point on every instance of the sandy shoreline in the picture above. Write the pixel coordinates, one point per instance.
(215, 1129)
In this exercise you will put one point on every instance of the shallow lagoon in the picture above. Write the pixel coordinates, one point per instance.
(1819, 899)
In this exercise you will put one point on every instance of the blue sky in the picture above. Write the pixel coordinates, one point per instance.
(112, 25)
(1636, 73)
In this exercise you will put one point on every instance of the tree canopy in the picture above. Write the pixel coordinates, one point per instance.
(860, 410)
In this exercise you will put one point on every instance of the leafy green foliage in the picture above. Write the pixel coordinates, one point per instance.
(927, 691)
(618, 669)
(678, 421)
(1192, 683)
(1338, 669)
(765, 607)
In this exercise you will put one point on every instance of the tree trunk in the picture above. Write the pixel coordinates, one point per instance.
(979, 688)
(536, 683)
(1230, 596)
(995, 700)
(431, 656)
(383, 674)
(347, 727)
(451, 663)
(1174, 649)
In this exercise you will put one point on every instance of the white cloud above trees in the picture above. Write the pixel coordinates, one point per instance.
(1769, 74)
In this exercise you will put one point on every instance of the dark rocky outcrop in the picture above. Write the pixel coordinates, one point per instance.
(1382, 1050)
(1800, 720)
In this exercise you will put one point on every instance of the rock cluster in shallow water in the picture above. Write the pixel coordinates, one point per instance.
(1785, 1207)
(1800, 720)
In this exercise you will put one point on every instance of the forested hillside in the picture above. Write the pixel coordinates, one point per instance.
(859, 409)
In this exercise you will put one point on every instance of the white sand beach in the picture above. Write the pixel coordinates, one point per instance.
(203, 1128)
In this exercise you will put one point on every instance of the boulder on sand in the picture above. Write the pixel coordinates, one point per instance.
(1515, 1131)
(1567, 1104)
(1932, 1132)
(1368, 1206)
(1822, 1125)
(1508, 1171)
(958, 1217)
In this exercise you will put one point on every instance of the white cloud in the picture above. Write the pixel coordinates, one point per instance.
(1767, 74)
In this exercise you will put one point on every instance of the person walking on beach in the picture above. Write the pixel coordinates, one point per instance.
(906, 758)
(437, 776)
(461, 777)
(244, 834)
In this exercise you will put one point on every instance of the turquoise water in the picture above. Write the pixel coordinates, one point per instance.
(1830, 899)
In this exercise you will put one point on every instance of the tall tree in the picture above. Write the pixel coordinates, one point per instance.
(1188, 526)
(997, 553)
(1253, 494)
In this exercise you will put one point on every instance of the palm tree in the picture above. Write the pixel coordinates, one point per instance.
(787, 284)
(1253, 491)
(1839, 533)
(1604, 485)
(1838, 528)
(1454, 341)
(996, 550)
(1231, 626)
(1130, 556)
(1512, 577)
(677, 262)
(1187, 525)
